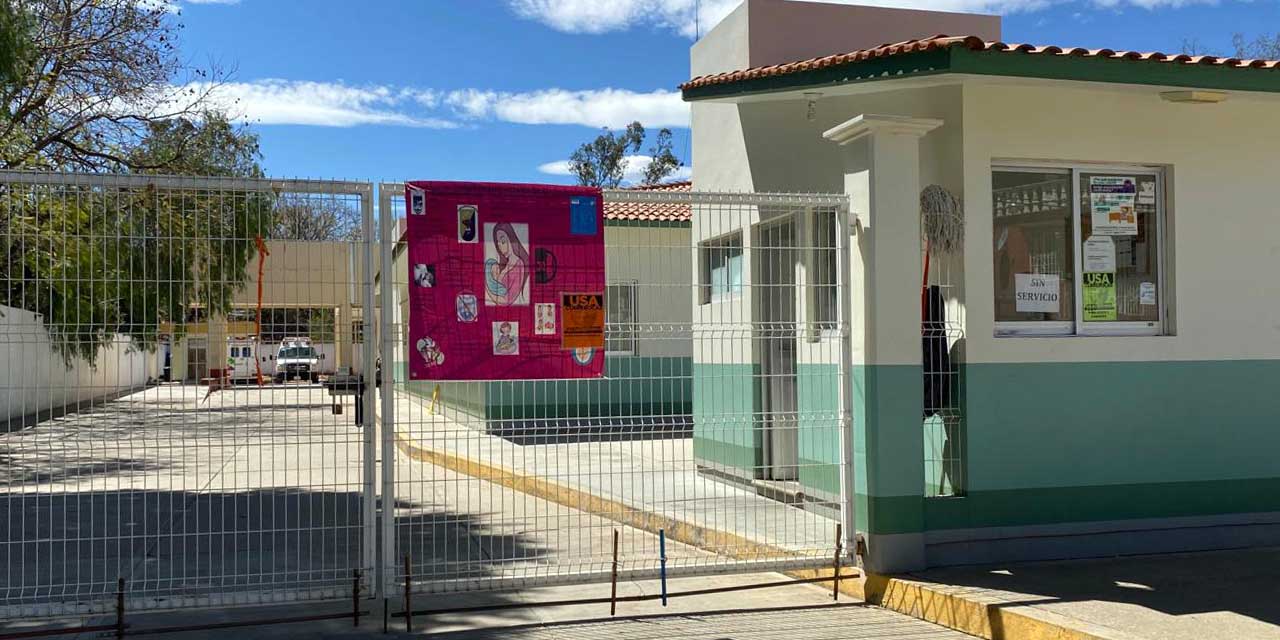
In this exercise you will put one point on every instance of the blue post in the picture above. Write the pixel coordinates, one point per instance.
(662, 571)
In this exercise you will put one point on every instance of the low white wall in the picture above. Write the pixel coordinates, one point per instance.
(34, 378)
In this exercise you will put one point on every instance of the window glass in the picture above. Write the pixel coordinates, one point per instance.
(1118, 250)
(824, 292)
(722, 268)
(620, 318)
(1034, 261)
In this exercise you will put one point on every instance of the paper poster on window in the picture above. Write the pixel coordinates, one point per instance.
(1147, 293)
(488, 264)
(1147, 192)
(1099, 297)
(1036, 293)
(1099, 254)
(1112, 202)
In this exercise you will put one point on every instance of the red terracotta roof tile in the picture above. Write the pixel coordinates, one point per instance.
(969, 42)
(651, 211)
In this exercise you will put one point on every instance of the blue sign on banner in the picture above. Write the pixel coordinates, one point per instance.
(582, 216)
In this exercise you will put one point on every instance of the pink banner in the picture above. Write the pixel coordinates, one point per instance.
(506, 281)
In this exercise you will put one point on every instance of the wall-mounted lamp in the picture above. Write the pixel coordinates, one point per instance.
(1194, 97)
(811, 108)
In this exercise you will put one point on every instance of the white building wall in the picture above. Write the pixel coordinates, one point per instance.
(36, 379)
(1221, 210)
(656, 259)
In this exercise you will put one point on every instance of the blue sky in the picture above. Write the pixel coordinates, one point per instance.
(500, 89)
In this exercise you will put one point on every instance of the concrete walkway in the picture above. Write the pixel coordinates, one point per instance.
(643, 482)
(785, 613)
(1228, 595)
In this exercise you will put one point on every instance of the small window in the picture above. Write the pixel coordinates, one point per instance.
(620, 318)
(1077, 250)
(823, 299)
(721, 262)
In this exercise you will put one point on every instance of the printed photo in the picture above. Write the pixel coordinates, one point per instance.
(468, 217)
(424, 275)
(506, 338)
(466, 307)
(418, 204)
(544, 319)
(430, 352)
(506, 264)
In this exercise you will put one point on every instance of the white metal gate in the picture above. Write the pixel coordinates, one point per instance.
(671, 463)
(126, 458)
(717, 442)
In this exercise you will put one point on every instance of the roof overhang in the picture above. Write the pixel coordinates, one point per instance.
(942, 63)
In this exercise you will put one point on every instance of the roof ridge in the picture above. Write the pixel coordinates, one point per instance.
(970, 42)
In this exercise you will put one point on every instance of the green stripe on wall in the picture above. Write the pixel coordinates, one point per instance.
(632, 386)
(1025, 507)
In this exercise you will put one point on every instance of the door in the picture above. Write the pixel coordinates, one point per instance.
(197, 358)
(776, 341)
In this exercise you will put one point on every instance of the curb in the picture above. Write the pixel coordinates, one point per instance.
(943, 606)
(922, 600)
(693, 535)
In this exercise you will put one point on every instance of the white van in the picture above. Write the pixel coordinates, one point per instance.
(241, 353)
(296, 358)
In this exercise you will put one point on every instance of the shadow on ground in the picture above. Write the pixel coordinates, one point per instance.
(1237, 581)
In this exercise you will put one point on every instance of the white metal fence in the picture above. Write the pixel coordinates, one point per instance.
(129, 456)
(718, 440)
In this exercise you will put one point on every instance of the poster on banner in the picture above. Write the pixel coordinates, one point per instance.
(1099, 297)
(1099, 254)
(489, 267)
(1036, 293)
(1113, 205)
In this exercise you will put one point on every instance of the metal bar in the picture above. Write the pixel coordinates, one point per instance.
(408, 594)
(211, 183)
(243, 623)
(387, 316)
(844, 288)
(662, 558)
(41, 633)
(639, 598)
(370, 535)
(355, 598)
(727, 198)
(613, 586)
(120, 608)
(835, 563)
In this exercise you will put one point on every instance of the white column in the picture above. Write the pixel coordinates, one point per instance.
(882, 176)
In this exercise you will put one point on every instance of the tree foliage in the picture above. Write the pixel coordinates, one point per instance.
(99, 262)
(95, 76)
(1265, 46)
(13, 42)
(603, 162)
(316, 218)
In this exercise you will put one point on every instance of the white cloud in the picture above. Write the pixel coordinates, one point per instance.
(594, 108)
(337, 104)
(324, 104)
(690, 17)
(633, 171)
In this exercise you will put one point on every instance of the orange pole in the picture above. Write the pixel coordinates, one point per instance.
(257, 323)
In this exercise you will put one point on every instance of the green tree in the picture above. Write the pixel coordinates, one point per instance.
(1265, 46)
(13, 42)
(603, 161)
(100, 262)
(94, 76)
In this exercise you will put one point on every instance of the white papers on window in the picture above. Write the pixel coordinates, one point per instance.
(1112, 202)
(1147, 293)
(1036, 293)
(1099, 255)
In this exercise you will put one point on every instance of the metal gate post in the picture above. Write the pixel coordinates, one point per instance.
(367, 368)
(844, 282)
(388, 314)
